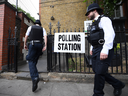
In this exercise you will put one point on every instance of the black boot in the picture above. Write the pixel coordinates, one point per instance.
(35, 84)
(118, 92)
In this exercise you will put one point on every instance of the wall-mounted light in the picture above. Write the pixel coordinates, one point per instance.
(52, 18)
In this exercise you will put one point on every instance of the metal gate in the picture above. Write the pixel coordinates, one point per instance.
(12, 51)
(81, 63)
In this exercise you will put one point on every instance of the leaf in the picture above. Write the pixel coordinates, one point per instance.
(114, 1)
(85, 1)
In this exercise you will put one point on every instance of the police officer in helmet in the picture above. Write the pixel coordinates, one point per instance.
(101, 38)
(37, 45)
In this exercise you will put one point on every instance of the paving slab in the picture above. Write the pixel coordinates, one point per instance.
(24, 88)
(41, 65)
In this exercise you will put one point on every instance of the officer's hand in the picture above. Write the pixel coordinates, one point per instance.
(44, 48)
(103, 56)
(90, 52)
(25, 47)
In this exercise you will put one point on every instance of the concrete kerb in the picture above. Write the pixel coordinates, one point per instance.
(8, 75)
(65, 77)
(79, 77)
(71, 77)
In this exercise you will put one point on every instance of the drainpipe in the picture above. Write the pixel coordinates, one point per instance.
(16, 7)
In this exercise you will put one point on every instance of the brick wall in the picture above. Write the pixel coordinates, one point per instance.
(1, 32)
(9, 21)
(70, 13)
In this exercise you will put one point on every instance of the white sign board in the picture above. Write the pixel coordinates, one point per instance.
(69, 42)
(86, 24)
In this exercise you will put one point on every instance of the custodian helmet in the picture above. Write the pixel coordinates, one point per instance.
(92, 7)
(38, 22)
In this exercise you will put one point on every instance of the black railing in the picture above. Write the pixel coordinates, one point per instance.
(12, 51)
(81, 62)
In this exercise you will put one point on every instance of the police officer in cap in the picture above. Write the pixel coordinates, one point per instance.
(38, 43)
(101, 38)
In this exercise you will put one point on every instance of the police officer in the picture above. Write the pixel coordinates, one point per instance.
(101, 38)
(36, 47)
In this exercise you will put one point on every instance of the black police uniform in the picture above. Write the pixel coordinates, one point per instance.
(35, 49)
(100, 67)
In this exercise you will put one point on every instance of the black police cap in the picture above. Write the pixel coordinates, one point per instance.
(93, 7)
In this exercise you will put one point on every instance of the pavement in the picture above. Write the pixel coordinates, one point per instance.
(24, 88)
(54, 84)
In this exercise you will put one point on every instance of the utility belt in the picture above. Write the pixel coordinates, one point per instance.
(96, 46)
(35, 41)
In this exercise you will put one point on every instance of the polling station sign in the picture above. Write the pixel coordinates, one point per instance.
(69, 42)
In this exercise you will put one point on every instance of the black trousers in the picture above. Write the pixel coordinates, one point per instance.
(100, 68)
(33, 55)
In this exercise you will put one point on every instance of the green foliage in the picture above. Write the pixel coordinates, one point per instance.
(117, 47)
(109, 5)
(27, 14)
